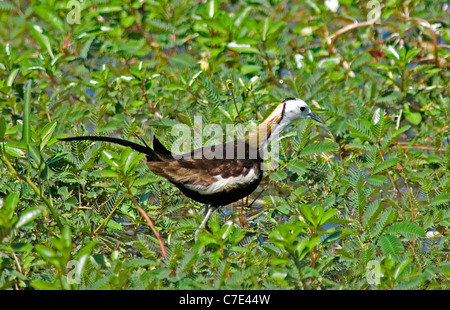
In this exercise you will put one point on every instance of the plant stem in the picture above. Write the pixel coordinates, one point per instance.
(110, 214)
(149, 221)
(235, 105)
(347, 28)
(389, 176)
(47, 202)
(427, 25)
(411, 206)
(150, 105)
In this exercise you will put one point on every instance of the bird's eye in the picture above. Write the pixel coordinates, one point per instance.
(302, 109)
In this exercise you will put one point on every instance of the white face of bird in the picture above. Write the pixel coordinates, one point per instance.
(296, 109)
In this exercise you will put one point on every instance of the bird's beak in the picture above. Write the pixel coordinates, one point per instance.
(315, 117)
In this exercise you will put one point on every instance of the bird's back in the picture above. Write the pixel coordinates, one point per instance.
(216, 175)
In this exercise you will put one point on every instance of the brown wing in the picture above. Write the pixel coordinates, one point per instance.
(182, 171)
(201, 165)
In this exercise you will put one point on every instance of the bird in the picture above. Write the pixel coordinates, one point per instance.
(221, 174)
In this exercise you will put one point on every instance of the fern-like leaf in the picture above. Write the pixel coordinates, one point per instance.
(190, 258)
(390, 245)
(303, 134)
(361, 130)
(442, 200)
(211, 91)
(7, 6)
(379, 122)
(159, 26)
(386, 164)
(413, 283)
(147, 247)
(319, 147)
(386, 217)
(390, 137)
(367, 254)
(410, 230)
(371, 212)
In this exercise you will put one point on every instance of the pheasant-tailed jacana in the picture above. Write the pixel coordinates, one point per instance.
(210, 174)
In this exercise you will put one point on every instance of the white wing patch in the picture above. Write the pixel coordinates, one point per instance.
(223, 184)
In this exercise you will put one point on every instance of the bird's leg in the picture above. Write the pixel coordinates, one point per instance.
(208, 212)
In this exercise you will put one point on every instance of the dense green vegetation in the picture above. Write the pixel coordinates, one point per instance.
(363, 198)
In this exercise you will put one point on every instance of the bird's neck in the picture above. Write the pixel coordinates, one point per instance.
(269, 129)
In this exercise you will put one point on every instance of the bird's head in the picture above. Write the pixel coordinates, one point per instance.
(295, 109)
(287, 112)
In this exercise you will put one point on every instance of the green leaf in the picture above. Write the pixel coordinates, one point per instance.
(266, 24)
(391, 137)
(305, 246)
(7, 6)
(212, 92)
(433, 159)
(386, 217)
(298, 166)
(410, 230)
(109, 9)
(379, 123)
(8, 208)
(361, 60)
(49, 16)
(371, 212)
(377, 180)
(390, 245)
(242, 48)
(329, 63)
(327, 215)
(283, 208)
(339, 126)
(413, 117)
(110, 157)
(140, 262)
(309, 214)
(312, 4)
(86, 48)
(401, 130)
(441, 200)
(108, 173)
(34, 153)
(159, 25)
(386, 164)
(278, 176)
(319, 147)
(27, 216)
(44, 285)
(21, 247)
(38, 34)
(182, 61)
(391, 97)
(391, 53)
(131, 160)
(207, 238)
(13, 151)
(284, 236)
(45, 252)
(12, 77)
(411, 54)
(361, 130)
(401, 267)
(242, 16)
(86, 250)
(46, 133)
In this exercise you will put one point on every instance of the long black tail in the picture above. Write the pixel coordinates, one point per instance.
(151, 155)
